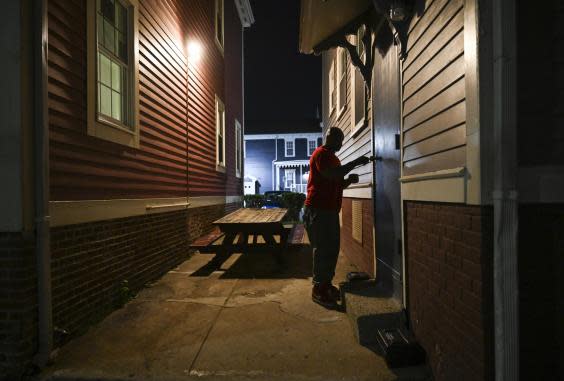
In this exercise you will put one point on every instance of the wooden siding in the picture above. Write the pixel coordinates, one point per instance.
(176, 107)
(433, 100)
(361, 143)
(233, 93)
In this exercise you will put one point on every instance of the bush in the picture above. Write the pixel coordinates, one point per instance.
(294, 202)
(253, 200)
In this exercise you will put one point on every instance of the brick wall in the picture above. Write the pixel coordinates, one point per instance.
(18, 319)
(200, 219)
(360, 254)
(541, 291)
(91, 260)
(449, 271)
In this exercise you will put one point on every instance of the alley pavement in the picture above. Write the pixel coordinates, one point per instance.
(248, 318)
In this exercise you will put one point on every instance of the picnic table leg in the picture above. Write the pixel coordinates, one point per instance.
(277, 248)
(224, 250)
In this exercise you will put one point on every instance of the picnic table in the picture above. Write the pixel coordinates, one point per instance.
(245, 230)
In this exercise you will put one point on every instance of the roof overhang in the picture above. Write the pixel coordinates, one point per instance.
(322, 19)
(245, 12)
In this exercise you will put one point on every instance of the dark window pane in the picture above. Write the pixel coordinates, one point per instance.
(121, 46)
(121, 17)
(108, 10)
(220, 148)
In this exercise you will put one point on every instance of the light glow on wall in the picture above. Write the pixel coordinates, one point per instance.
(194, 51)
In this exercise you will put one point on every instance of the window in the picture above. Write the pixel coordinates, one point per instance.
(289, 148)
(219, 24)
(220, 134)
(238, 149)
(311, 146)
(332, 92)
(359, 87)
(289, 179)
(341, 80)
(113, 71)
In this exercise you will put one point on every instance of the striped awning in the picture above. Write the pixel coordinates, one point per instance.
(291, 163)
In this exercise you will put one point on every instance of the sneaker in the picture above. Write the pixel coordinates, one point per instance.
(335, 292)
(322, 294)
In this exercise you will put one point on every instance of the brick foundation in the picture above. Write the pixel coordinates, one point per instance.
(18, 304)
(92, 260)
(360, 254)
(541, 291)
(449, 293)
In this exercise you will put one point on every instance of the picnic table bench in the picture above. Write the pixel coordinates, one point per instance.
(249, 229)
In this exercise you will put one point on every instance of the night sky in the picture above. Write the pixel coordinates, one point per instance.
(281, 84)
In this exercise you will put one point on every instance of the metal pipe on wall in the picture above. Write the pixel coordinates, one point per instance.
(506, 298)
(41, 164)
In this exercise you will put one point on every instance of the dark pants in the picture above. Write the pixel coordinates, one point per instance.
(323, 231)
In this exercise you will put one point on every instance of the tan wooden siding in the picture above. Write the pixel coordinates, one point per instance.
(361, 143)
(176, 156)
(434, 110)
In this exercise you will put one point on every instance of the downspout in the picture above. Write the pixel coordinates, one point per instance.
(41, 164)
(506, 297)
(274, 184)
(242, 137)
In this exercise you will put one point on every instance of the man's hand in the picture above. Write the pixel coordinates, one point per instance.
(353, 178)
(361, 160)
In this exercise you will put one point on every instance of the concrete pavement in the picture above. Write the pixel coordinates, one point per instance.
(247, 320)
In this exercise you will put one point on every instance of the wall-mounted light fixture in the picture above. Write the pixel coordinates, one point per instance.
(194, 51)
(398, 10)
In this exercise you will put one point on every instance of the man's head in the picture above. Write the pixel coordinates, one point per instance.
(334, 139)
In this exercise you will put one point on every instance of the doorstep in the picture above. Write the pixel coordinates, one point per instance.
(369, 308)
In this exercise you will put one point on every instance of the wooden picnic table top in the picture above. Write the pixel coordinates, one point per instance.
(255, 216)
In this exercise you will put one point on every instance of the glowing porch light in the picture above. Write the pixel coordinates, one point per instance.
(194, 51)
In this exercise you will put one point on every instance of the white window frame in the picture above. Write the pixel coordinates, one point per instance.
(219, 131)
(293, 141)
(358, 126)
(341, 77)
(332, 87)
(219, 28)
(97, 125)
(309, 150)
(291, 171)
(238, 149)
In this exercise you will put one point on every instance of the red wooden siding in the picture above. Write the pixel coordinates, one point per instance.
(233, 92)
(176, 156)
(205, 81)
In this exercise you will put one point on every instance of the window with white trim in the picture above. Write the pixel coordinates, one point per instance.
(112, 79)
(358, 86)
(238, 149)
(290, 148)
(219, 23)
(290, 179)
(332, 89)
(220, 133)
(342, 66)
(311, 146)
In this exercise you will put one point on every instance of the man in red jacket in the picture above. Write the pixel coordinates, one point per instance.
(321, 217)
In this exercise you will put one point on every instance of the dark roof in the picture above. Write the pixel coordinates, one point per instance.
(282, 126)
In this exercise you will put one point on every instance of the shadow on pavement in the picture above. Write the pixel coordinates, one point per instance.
(291, 264)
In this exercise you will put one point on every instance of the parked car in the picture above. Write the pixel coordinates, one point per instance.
(273, 199)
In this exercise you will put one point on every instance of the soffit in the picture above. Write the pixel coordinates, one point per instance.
(320, 19)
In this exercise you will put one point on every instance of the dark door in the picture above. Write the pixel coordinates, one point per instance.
(387, 205)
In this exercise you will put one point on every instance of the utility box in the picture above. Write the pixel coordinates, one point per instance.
(400, 348)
